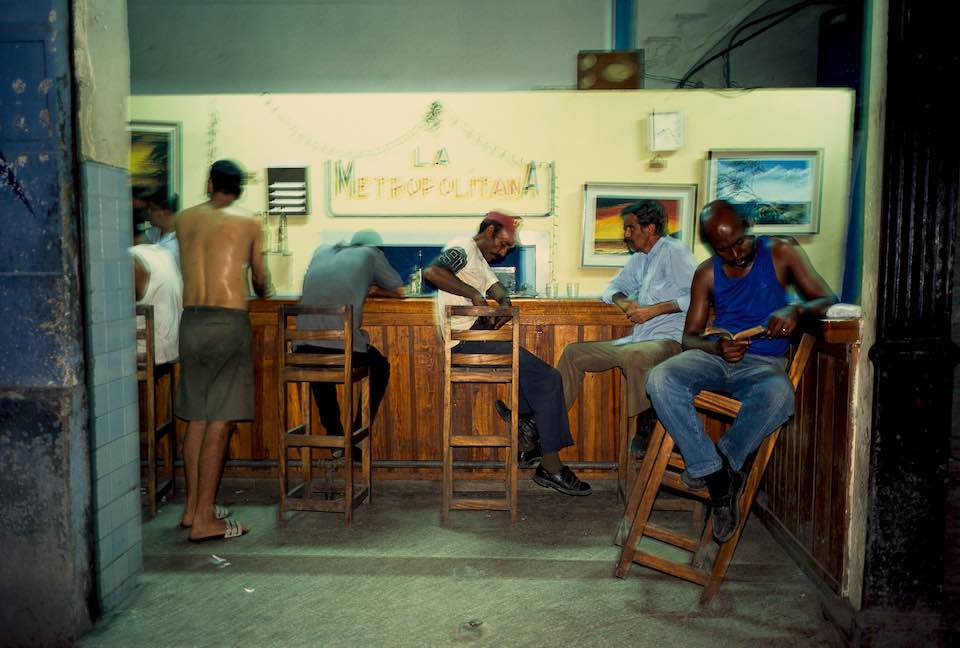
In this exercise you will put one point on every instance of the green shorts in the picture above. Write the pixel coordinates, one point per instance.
(216, 365)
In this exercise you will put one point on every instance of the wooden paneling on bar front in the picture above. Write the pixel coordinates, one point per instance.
(406, 435)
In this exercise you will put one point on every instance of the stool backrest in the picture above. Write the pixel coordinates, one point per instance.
(509, 332)
(288, 333)
(145, 328)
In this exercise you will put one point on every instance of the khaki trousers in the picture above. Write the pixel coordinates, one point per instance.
(634, 360)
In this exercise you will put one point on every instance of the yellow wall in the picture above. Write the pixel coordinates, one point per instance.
(591, 136)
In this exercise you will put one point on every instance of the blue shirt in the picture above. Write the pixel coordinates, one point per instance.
(662, 274)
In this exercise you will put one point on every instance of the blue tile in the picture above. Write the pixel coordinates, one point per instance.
(129, 361)
(132, 448)
(101, 374)
(93, 173)
(94, 277)
(104, 553)
(99, 398)
(131, 420)
(97, 306)
(91, 210)
(101, 431)
(129, 393)
(115, 388)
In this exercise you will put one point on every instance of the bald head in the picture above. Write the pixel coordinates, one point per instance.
(725, 230)
(720, 217)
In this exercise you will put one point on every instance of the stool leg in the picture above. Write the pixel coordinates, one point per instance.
(624, 447)
(282, 447)
(725, 555)
(346, 422)
(447, 478)
(639, 483)
(306, 456)
(367, 459)
(512, 468)
(151, 422)
(639, 522)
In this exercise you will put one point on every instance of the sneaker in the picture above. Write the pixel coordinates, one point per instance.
(726, 509)
(564, 481)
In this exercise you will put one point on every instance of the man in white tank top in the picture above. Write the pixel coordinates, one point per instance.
(158, 283)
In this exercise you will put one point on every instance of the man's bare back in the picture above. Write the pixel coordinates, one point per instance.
(217, 243)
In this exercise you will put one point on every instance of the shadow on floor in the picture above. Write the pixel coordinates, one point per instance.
(395, 577)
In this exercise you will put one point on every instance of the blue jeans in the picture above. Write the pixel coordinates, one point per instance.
(758, 382)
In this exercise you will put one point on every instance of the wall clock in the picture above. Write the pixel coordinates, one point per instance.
(666, 131)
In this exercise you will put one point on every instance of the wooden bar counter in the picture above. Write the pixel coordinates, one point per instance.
(406, 434)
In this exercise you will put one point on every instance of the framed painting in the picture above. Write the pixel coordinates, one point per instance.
(155, 157)
(778, 190)
(603, 244)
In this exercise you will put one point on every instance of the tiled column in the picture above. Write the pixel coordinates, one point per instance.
(111, 351)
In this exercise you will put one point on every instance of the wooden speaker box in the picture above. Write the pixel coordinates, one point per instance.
(604, 70)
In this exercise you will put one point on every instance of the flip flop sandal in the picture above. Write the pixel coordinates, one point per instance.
(234, 530)
(219, 512)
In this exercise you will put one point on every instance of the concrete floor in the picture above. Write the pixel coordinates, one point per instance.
(396, 578)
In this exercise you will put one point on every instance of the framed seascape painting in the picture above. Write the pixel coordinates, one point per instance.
(603, 244)
(154, 157)
(779, 191)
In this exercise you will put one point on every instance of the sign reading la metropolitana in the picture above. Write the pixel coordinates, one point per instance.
(432, 177)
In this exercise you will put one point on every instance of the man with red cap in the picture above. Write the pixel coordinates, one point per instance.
(463, 276)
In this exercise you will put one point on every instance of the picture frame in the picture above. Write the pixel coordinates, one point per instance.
(778, 190)
(155, 157)
(603, 244)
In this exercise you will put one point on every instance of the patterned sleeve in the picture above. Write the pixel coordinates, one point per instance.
(453, 259)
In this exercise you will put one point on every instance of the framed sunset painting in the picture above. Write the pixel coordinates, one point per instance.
(603, 244)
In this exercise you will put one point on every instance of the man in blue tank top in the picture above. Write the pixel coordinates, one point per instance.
(745, 280)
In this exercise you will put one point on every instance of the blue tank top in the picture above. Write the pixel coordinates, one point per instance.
(750, 300)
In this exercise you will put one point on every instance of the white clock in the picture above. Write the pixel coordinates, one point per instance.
(666, 131)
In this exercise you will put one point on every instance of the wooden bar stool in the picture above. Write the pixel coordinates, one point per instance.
(152, 432)
(627, 470)
(480, 368)
(654, 474)
(304, 368)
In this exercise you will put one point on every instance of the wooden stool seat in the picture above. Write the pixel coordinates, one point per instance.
(303, 369)
(153, 432)
(661, 467)
(497, 368)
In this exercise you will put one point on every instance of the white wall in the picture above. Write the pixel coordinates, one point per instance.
(592, 137)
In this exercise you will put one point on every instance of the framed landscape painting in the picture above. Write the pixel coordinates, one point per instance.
(779, 191)
(603, 244)
(155, 157)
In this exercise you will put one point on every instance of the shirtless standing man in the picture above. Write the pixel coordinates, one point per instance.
(217, 244)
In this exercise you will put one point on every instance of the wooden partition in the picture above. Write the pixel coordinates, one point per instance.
(805, 498)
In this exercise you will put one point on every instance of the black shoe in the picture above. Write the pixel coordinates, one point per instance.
(526, 425)
(726, 509)
(564, 481)
(693, 483)
(530, 458)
